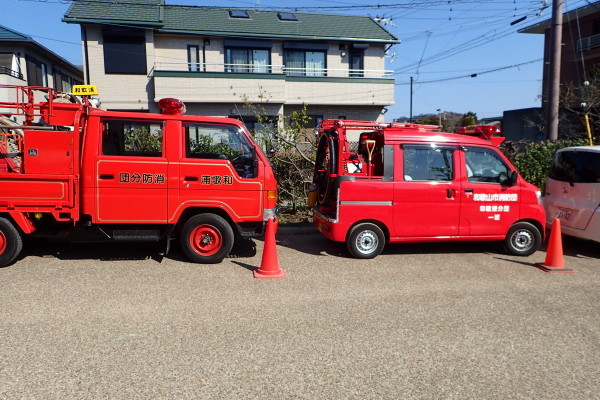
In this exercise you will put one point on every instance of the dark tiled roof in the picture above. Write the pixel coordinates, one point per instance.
(135, 12)
(540, 27)
(9, 34)
(216, 21)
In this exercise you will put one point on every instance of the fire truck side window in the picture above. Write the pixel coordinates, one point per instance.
(428, 163)
(132, 138)
(223, 142)
(484, 166)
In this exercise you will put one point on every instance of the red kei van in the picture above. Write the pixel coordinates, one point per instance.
(411, 183)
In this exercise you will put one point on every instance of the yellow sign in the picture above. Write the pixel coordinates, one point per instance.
(85, 90)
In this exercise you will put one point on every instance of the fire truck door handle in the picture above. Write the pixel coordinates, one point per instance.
(107, 176)
(449, 193)
(468, 190)
(191, 178)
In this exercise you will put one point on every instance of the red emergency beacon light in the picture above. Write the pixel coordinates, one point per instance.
(171, 106)
(491, 133)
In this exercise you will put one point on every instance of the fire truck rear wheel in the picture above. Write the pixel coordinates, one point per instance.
(523, 239)
(365, 241)
(11, 242)
(206, 238)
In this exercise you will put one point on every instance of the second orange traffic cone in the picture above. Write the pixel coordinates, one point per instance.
(554, 254)
(269, 266)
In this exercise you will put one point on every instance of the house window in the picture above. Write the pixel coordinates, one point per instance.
(44, 69)
(67, 83)
(36, 72)
(305, 63)
(287, 17)
(314, 121)
(63, 82)
(193, 58)
(238, 14)
(124, 54)
(9, 65)
(247, 60)
(357, 63)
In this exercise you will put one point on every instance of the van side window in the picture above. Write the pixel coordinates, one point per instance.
(428, 163)
(221, 142)
(132, 138)
(484, 166)
(576, 167)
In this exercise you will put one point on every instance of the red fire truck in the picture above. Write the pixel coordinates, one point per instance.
(412, 183)
(127, 176)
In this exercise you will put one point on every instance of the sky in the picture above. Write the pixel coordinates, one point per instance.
(443, 43)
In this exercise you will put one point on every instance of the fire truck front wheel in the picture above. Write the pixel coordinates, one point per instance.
(523, 239)
(365, 241)
(11, 242)
(206, 238)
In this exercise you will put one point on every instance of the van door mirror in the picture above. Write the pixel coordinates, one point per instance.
(512, 179)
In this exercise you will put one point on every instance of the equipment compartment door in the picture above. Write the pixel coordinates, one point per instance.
(426, 202)
(131, 173)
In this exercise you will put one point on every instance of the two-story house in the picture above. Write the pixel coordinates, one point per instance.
(580, 50)
(24, 62)
(215, 59)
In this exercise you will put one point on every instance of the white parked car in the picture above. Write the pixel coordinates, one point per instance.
(573, 192)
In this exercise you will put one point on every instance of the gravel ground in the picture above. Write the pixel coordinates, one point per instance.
(422, 321)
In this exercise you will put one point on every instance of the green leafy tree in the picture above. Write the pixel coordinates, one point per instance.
(291, 147)
(469, 118)
(141, 138)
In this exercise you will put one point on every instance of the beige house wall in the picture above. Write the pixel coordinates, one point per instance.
(346, 93)
(216, 95)
(119, 91)
(220, 90)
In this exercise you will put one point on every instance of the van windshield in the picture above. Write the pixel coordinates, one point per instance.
(576, 167)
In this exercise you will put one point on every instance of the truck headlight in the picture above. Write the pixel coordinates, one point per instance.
(269, 213)
(538, 194)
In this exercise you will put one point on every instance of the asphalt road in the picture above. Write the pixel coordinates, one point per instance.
(425, 321)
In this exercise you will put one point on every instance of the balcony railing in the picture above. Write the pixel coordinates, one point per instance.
(13, 73)
(272, 69)
(588, 43)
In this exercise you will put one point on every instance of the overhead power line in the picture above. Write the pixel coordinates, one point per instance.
(473, 75)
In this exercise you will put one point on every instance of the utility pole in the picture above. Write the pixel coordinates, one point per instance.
(411, 96)
(552, 107)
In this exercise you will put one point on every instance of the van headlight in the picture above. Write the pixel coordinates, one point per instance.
(538, 194)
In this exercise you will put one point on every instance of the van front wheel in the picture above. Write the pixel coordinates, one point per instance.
(523, 239)
(365, 241)
(206, 238)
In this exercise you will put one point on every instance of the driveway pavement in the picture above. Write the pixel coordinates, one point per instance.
(422, 321)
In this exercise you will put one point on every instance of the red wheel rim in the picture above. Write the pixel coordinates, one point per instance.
(206, 240)
(2, 243)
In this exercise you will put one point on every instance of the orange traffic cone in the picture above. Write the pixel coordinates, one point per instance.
(269, 266)
(554, 254)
